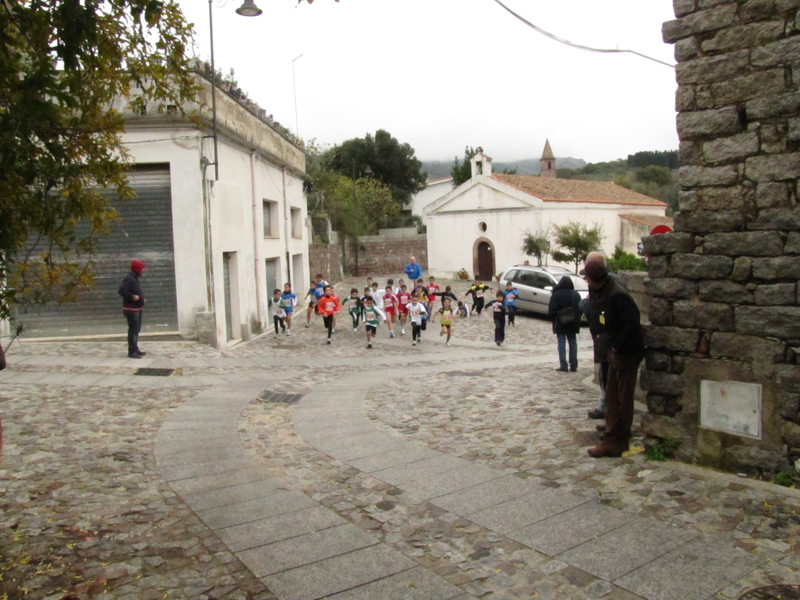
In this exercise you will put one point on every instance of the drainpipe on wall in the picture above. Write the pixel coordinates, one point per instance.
(256, 242)
(287, 215)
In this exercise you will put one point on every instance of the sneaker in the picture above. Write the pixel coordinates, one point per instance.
(333, 331)
(288, 332)
(562, 370)
(441, 333)
(498, 343)
(140, 352)
(277, 336)
(369, 346)
(391, 334)
(412, 343)
(448, 344)
(402, 331)
(596, 413)
(329, 340)
(135, 355)
(355, 329)
(308, 325)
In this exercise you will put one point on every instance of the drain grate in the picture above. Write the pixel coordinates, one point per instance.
(279, 398)
(773, 592)
(155, 372)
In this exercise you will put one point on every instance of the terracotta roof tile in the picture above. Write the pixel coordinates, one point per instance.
(650, 220)
(551, 189)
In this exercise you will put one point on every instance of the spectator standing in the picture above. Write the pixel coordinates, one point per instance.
(132, 304)
(413, 270)
(565, 310)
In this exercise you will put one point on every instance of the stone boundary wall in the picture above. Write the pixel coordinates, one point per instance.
(377, 255)
(725, 298)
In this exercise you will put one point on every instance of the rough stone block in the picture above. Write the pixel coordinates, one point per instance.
(742, 268)
(780, 167)
(793, 134)
(788, 378)
(707, 221)
(782, 322)
(705, 20)
(751, 243)
(663, 427)
(672, 31)
(657, 266)
(690, 153)
(781, 219)
(669, 287)
(698, 266)
(688, 200)
(668, 243)
(749, 455)
(657, 361)
(748, 87)
(792, 243)
(784, 267)
(684, 97)
(671, 338)
(773, 138)
(774, 106)
(790, 432)
(722, 198)
(686, 49)
(775, 295)
(785, 5)
(659, 311)
(749, 348)
(757, 10)
(744, 36)
(661, 382)
(712, 316)
(725, 149)
(709, 123)
(683, 7)
(713, 69)
(782, 52)
(788, 405)
(724, 291)
(772, 194)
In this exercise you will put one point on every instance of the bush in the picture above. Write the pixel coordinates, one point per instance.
(664, 450)
(625, 261)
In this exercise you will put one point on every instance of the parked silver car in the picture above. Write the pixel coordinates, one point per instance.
(535, 285)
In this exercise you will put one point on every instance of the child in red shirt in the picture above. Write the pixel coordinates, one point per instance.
(329, 306)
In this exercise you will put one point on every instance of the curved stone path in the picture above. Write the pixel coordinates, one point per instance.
(303, 550)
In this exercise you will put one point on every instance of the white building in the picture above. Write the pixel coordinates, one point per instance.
(434, 189)
(214, 249)
(480, 225)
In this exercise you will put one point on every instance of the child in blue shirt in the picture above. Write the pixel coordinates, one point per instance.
(289, 300)
(511, 294)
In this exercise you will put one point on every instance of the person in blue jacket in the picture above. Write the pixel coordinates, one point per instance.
(511, 294)
(413, 270)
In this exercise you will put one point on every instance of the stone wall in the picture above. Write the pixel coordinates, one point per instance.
(377, 255)
(724, 286)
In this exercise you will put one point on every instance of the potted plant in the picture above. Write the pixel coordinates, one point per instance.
(462, 274)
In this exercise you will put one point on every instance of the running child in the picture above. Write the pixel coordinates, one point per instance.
(476, 291)
(277, 311)
(499, 313)
(403, 298)
(447, 314)
(354, 307)
(432, 288)
(400, 285)
(447, 293)
(313, 294)
(511, 294)
(462, 311)
(372, 318)
(416, 312)
(329, 306)
(377, 295)
(289, 300)
(390, 303)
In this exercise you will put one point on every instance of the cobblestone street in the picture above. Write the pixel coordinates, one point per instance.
(441, 472)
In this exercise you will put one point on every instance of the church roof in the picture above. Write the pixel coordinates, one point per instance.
(551, 189)
(547, 153)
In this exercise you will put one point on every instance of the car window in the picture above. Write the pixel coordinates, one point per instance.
(541, 281)
(512, 275)
(526, 278)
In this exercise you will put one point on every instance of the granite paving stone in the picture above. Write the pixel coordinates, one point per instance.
(525, 510)
(414, 584)
(276, 503)
(479, 497)
(450, 481)
(233, 494)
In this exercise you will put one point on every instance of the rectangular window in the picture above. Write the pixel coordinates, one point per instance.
(297, 224)
(270, 219)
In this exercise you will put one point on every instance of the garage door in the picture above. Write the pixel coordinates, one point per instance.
(144, 232)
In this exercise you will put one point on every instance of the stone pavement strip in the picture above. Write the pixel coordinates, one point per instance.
(426, 473)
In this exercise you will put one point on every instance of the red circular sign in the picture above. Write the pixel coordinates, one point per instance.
(660, 229)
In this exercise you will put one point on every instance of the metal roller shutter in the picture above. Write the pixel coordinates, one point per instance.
(144, 232)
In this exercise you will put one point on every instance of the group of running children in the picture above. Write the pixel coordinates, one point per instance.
(395, 305)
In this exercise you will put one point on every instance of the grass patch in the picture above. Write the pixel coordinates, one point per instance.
(663, 450)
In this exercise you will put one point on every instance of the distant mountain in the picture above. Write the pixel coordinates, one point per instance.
(436, 169)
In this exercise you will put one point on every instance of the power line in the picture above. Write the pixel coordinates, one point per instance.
(578, 46)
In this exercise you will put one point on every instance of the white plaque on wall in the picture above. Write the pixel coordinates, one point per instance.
(731, 406)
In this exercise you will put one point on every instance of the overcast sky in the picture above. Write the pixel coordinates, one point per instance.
(444, 74)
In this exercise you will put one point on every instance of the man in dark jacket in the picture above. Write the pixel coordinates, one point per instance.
(132, 305)
(564, 307)
(621, 333)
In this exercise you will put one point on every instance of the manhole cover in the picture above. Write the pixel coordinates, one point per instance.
(155, 372)
(773, 592)
(279, 398)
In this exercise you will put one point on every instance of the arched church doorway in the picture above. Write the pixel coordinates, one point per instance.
(485, 261)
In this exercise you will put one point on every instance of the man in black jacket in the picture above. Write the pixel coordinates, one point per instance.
(621, 333)
(132, 305)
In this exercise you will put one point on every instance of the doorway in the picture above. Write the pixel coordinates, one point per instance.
(485, 261)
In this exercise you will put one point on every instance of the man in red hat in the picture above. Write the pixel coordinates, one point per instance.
(132, 305)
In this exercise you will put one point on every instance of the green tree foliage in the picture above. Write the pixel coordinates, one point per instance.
(62, 65)
(659, 158)
(625, 261)
(462, 171)
(536, 244)
(576, 240)
(391, 162)
(654, 175)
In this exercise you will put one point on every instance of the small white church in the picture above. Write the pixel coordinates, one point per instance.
(480, 225)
